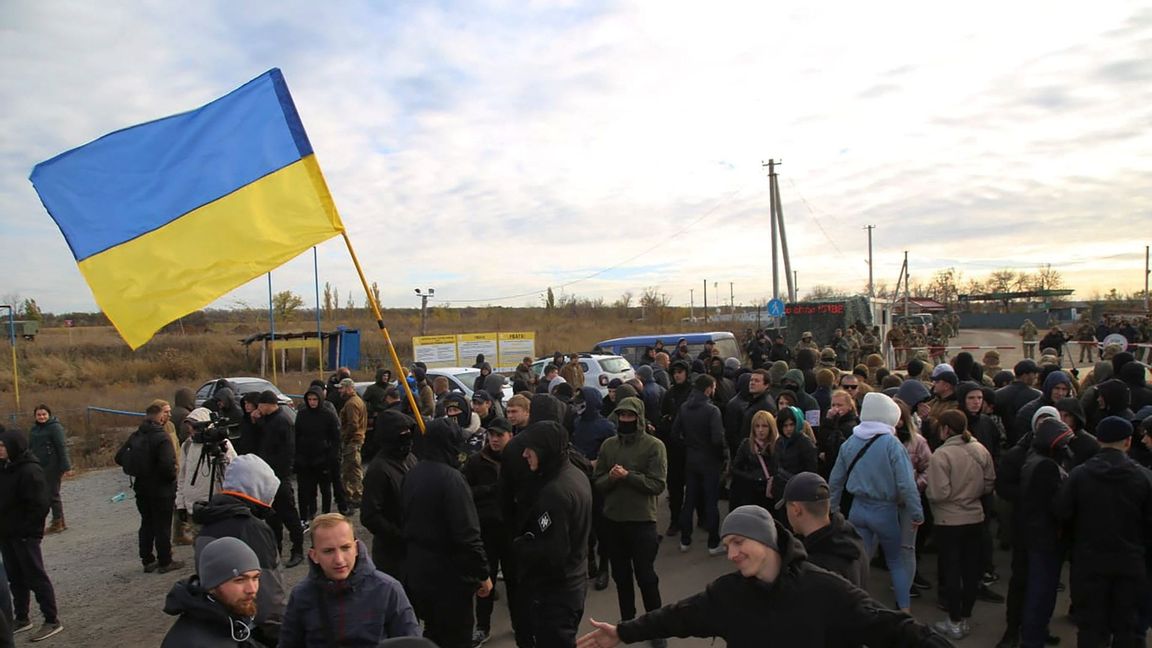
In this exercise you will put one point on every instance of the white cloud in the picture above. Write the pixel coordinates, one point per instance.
(495, 149)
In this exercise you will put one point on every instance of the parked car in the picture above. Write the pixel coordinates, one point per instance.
(919, 321)
(243, 385)
(599, 370)
(632, 347)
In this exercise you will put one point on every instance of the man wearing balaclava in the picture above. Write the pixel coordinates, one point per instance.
(381, 510)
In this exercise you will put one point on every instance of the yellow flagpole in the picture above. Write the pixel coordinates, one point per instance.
(402, 379)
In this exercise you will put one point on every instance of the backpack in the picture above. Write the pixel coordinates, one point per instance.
(135, 456)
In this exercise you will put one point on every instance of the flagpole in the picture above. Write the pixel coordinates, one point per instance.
(401, 378)
(319, 334)
(272, 328)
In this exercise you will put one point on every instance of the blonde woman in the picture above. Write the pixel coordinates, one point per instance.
(754, 464)
(837, 427)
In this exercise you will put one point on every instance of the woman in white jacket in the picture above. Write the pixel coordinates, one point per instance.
(960, 473)
(195, 467)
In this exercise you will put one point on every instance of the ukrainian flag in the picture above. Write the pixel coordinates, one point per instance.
(167, 216)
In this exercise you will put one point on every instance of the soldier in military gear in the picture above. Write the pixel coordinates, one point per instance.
(1028, 334)
(944, 328)
(1086, 336)
(806, 342)
(870, 342)
(896, 339)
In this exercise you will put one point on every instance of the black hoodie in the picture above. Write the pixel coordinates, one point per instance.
(552, 545)
(381, 509)
(317, 433)
(1108, 500)
(23, 490)
(1140, 394)
(839, 549)
(440, 525)
(202, 622)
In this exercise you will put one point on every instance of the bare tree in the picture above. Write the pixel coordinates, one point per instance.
(821, 291)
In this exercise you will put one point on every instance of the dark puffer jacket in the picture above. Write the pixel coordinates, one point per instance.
(363, 610)
(700, 427)
(46, 441)
(839, 548)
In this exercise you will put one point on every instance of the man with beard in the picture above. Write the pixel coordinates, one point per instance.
(445, 562)
(552, 547)
(216, 606)
(344, 600)
(238, 511)
(381, 513)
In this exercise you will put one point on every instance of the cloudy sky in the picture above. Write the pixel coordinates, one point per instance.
(490, 150)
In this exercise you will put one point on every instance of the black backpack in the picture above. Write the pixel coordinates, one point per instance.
(135, 456)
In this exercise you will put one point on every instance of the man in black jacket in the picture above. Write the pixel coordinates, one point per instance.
(381, 513)
(670, 405)
(830, 540)
(156, 494)
(776, 597)
(445, 563)
(238, 511)
(216, 606)
(1108, 500)
(482, 472)
(1014, 396)
(699, 426)
(23, 507)
(278, 449)
(552, 546)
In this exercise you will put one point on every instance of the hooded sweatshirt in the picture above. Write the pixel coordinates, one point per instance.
(631, 498)
(1133, 374)
(590, 428)
(238, 511)
(839, 548)
(884, 473)
(1024, 416)
(381, 511)
(203, 622)
(363, 610)
(552, 547)
(183, 403)
(23, 490)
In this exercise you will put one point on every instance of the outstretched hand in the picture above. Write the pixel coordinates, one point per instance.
(604, 636)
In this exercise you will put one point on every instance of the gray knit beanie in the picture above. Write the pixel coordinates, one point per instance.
(752, 522)
(224, 559)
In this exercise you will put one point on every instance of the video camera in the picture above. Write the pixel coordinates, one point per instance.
(213, 433)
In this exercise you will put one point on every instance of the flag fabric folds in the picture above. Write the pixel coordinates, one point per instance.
(165, 217)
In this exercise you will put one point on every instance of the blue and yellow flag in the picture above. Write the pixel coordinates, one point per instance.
(167, 216)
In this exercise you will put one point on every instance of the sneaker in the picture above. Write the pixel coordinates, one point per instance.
(21, 625)
(988, 595)
(949, 629)
(151, 567)
(479, 638)
(47, 630)
(684, 547)
(718, 550)
(601, 583)
(919, 582)
(989, 577)
(966, 626)
(296, 558)
(171, 567)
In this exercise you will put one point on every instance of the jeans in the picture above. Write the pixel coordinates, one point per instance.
(962, 566)
(703, 489)
(1040, 597)
(25, 566)
(879, 523)
(632, 549)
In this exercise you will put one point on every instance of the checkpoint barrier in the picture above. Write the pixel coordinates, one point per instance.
(105, 410)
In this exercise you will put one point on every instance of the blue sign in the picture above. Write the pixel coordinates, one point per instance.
(775, 308)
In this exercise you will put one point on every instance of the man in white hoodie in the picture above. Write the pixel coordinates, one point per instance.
(873, 472)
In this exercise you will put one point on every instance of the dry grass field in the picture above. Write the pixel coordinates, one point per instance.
(71, 369)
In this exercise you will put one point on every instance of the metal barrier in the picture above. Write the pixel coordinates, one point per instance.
(105, 410)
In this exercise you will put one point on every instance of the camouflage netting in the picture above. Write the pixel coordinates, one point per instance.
(824, 317)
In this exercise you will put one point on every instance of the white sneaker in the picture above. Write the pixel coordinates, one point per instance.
(950, 629)
(684, 548)
(479, 638)
(718, 550)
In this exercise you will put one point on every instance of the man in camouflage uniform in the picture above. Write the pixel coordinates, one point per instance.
(854, 357)
(806, 342)
(870, 342)
(1028, 334)
(1086, 336)
(944, 330)
(896, 340)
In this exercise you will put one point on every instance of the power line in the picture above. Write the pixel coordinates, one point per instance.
(812, 214)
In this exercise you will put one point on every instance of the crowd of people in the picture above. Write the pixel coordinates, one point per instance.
(828, 468)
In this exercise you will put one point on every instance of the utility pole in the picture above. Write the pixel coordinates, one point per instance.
(772, 219)
(907, 283)
(871, 289)
(731, 300)
(1146, 273)
(691, 304)
(783, 241)
(705, 301)
(424, 297)
(796, 282)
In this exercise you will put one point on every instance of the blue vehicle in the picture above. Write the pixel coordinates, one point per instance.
(632, 347)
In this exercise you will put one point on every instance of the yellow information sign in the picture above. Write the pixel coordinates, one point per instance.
(435, 350)
(514, 346)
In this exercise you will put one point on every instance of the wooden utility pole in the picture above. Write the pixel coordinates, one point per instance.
(772, 219)
(871, 289)
(705, 301)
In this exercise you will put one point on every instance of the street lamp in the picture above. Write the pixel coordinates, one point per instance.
(424, 297)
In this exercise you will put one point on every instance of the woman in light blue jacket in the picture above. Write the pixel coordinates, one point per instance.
(885, 506)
